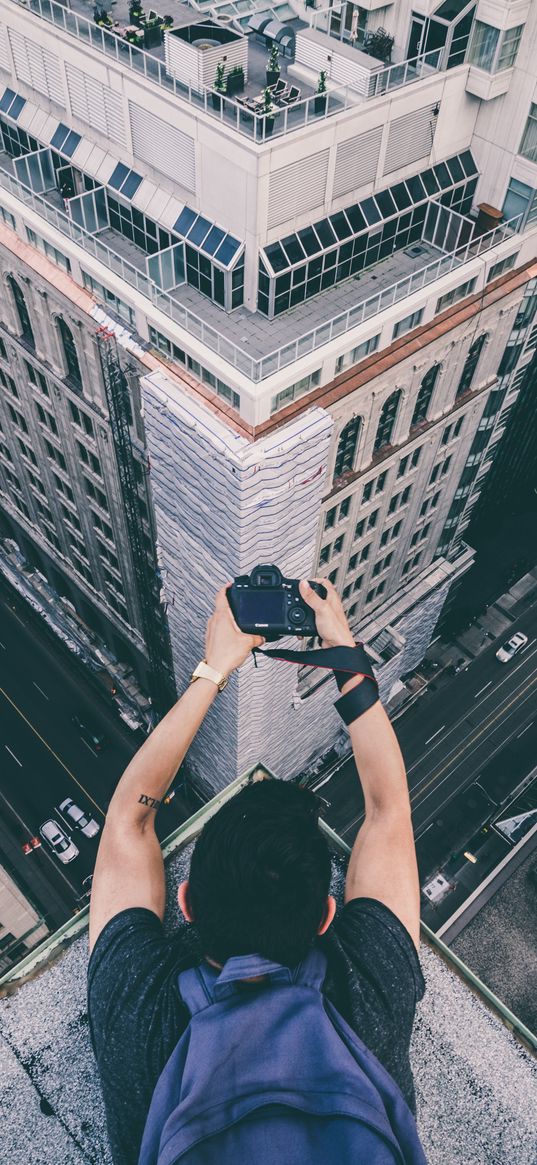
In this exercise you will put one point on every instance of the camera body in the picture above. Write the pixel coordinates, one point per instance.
(265, 603)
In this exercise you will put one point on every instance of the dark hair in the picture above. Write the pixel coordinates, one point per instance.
(260, 875)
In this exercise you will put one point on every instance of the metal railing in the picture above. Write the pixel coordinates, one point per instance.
(194, 325)
(256, 126)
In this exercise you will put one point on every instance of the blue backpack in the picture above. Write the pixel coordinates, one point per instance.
(271, 1073)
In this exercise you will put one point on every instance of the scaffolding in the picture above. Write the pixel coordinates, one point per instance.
(154, 626)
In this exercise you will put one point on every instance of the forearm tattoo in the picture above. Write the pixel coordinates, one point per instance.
(143, 799)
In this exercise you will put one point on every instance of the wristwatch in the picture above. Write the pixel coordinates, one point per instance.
(204, 672)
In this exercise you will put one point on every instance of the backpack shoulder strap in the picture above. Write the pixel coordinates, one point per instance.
(201, 986)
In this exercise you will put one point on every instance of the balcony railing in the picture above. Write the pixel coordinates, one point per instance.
(194, 325)
(249, 124)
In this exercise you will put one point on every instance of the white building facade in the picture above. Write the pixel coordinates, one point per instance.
(337, 297)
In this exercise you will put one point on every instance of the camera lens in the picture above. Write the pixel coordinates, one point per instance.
(297, 615)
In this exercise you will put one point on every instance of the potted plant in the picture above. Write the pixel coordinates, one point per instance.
(135, 38)
(273, 66)
(219, 86)
(102, 17)
(152, 33)
(235, 81)
(321, 95)
(167, 22)
(136, 13)
(379, 44)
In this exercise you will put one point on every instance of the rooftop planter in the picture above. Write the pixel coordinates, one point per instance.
(193, 52)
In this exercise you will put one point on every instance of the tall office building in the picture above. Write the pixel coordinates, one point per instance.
(322, 297)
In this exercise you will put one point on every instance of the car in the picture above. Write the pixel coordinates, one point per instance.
(509, 649)
(80, 820)
(89, 732)
(59, 842)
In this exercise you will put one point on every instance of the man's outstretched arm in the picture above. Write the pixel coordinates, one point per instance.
(383, 862)
(129, 870)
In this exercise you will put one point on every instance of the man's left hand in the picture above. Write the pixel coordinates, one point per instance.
(226, 646)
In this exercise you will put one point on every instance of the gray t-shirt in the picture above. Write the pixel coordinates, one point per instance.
(137, 1016)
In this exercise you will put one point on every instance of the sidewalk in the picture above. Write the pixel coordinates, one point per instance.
(492, 623)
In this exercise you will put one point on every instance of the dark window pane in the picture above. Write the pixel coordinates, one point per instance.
(185, 220)
(325, 233)
(356, 219)
(213, 240)
(416, 189)
(276, 256)
(341, 225)
(58, 137)
(227, 249)
(430, 182)
(71, 142)
(371, 211)
(293, 250)
(401, 196)
(198, 231)
(385, 203)
(309, 240)
(467, 163)
(118, 177)
(442, 173)
(455, 169)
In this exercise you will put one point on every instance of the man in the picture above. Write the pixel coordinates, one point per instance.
(260, 875)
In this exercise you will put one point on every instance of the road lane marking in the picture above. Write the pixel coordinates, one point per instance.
(461, 719)
(526, 645)
(435, 734)
(51, 750)
(89, 746)
(40, 690)
(7, 748)
(519, 734)
(482, 689)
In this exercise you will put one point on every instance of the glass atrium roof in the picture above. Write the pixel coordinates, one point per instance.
(65, 140)
(369, 213)
(125, 181)
(11, 104)
(207, 237)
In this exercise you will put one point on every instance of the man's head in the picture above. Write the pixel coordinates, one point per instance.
(260, 876)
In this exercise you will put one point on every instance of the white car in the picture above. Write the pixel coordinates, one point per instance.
(87, 825)
(510, 648)
(59, 842)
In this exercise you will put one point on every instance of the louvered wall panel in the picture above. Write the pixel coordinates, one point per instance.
(5, 62)
(357, 161)
(410, 138)
(296, 188)
(37, 67)
(96, 104)
(163, 146)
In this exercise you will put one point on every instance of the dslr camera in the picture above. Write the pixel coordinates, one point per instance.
(265, 603)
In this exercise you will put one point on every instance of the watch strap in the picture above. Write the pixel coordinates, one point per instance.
(205, 672)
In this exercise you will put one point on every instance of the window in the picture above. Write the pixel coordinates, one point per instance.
(383, 564)
(46, 419)
(367, 492)
(470, 365)
(352, 609)
(358, 583)
(338, 544)
(458, 426)
(498, 269)
(70, 353)
(56, 456)
(26, 451)
(3, 352)
(95, 493)
(89, 459)
(22, 312)
(333, 576)
(425, 393)
(8, 218)
(372, 520)
(17, 419)
(528, 145)
(357, 354)
(346, 591)
(409, 462)
(36, 378)
(324, 556)
(7, 382)
(365, 553)
(381, 482)
(520, 206)
(509, 359)
(47, 249)
(387, 420)
(81, 419)
(457, 293)
(330, 518)
(353, 560)
(399, 500)
(64, 488)
(412, 563)
(344, 509)
(493, 50)
(375, 591)
(407, 324)
(122, 309)
(294, 391)
(346, 449)
(359, 529)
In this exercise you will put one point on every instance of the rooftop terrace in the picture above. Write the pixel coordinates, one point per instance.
(476, 1084)
(249, 341)
(76, 18)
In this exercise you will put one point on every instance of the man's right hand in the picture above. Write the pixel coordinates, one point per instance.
(330, 618)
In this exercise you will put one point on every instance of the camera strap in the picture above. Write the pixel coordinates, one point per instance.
(344, 662)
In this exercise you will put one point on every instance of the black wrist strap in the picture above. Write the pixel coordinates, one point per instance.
(344, 662)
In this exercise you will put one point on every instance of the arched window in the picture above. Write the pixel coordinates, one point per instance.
(346, 449)
(387, 420)
(425, 393)
(471, 363)
(70, 353)
(22, 312)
